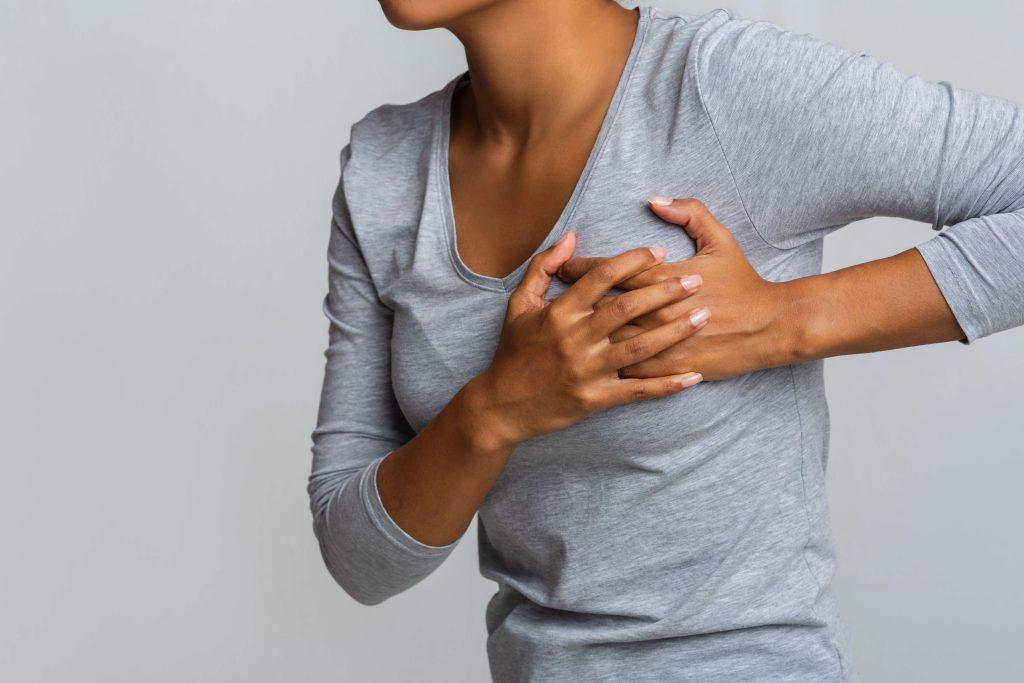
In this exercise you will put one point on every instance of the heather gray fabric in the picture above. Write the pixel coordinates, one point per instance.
(687, 538)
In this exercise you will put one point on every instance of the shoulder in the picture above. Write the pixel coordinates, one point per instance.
(388, 156)
(719, 55)
(397, 126)
(392, 139)
(733, 56)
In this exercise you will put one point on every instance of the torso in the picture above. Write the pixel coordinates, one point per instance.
(685, 538)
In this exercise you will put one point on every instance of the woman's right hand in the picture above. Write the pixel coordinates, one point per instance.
(555, 364)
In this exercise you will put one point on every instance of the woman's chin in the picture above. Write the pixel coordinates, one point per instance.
(420, 15)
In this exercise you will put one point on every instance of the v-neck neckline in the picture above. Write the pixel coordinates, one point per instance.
(441, 149)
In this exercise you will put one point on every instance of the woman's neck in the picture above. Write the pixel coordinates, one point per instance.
(539, 66)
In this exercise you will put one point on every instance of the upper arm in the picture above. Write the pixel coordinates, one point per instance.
(818, 136)
(359, 420)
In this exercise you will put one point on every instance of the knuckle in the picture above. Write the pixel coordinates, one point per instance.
(640, 391)
(575, 375)
(565, 349)
(621, 334)
(535, 262)
(660, 275)
(637, 347)
(585, 398)
(554, 314)
(605, 273)
(624, 305)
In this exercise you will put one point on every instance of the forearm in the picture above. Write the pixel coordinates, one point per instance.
(434, 484)
(885, 304)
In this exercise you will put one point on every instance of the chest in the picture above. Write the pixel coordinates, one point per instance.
(506, 201)
(447, 318)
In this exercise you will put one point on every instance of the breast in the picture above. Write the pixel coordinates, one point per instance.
(679, 482)
(441, 338)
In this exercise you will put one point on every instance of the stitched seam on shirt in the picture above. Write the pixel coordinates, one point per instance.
(404, 544)
(718, 139)
(962, 284)
(441, 172)
(627, 83)
(940, 181)
(807, 515)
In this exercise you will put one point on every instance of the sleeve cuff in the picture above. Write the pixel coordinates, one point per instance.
(375, 510)
(955, 286)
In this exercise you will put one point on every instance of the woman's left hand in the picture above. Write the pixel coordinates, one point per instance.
(745, 330)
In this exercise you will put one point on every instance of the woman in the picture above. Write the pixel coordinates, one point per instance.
(515, 332)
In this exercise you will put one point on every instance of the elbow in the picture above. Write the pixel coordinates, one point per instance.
(369, 564)
(358, 585)
(359, 581)
(358, 591)
(338, 548)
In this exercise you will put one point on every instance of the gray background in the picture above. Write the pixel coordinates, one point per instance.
(166, 171)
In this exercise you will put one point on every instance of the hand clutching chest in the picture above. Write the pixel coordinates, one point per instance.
(746, 328)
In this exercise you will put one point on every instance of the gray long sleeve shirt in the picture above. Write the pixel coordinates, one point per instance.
(686, 538)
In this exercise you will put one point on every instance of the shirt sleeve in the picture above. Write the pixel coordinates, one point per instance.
(359, 423)
(817, 136)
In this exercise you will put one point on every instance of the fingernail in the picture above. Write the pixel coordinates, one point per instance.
(699, 317)
(688, 380)
(659, 201)
(658, 252)
(691, 282)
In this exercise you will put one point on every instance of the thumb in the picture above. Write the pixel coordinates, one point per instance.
(694, 217)
(529, 295)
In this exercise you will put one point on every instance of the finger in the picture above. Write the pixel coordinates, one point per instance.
(634, 390)
(630, 305)
(595, 284)
(694, 217)
(670, 362)
(654, 367)
(647, 278)
(627, 332)
(651, 276)
(575, 268)
(650, 343)
(665, 314)
(529, 295)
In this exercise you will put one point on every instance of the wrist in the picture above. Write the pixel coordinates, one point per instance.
(800, 328)
(482, 422)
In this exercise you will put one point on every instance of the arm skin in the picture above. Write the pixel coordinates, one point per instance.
(433, 485)
(886, 304)
(757, 324)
